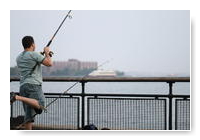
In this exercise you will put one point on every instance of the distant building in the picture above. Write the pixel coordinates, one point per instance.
(73, 64)
(88, 65)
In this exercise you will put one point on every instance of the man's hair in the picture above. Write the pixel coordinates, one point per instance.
(27, 41)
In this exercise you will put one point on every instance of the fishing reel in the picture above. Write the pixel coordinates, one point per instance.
(50, 53)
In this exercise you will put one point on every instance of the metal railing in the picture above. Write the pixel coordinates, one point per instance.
(114, 111)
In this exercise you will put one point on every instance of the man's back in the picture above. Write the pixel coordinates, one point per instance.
(29, 65)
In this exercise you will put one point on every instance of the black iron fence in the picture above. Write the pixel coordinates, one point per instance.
(114, 111)
(127, 113)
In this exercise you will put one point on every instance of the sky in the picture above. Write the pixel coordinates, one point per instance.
(134, 41)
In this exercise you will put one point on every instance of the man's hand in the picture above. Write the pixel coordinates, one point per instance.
(47, 61)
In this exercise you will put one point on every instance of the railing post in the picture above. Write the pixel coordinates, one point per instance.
(170, 104)
(83, 104)
(11, 110)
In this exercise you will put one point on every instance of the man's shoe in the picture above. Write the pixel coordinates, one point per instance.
(12, 97)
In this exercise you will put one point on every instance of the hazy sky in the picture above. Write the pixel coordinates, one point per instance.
(145, 41)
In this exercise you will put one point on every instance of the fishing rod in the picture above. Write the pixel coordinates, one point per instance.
(50, 41)
(50, 54)
(64, 93)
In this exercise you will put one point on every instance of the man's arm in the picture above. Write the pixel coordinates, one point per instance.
(47, 60)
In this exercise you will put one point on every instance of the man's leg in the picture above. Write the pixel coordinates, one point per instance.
(32, 102)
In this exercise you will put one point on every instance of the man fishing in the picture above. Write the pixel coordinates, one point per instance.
(29, 65)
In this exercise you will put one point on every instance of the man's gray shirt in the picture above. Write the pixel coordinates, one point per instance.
(29, 66)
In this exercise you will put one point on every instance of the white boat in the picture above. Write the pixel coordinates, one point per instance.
(104, 73)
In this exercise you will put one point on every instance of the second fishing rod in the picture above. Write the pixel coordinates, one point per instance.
(64, 93)
(73, 85)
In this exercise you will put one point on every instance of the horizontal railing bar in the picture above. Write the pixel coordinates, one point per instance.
(118, 98)
(111, 79)
(139, 95)
(118, 95)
